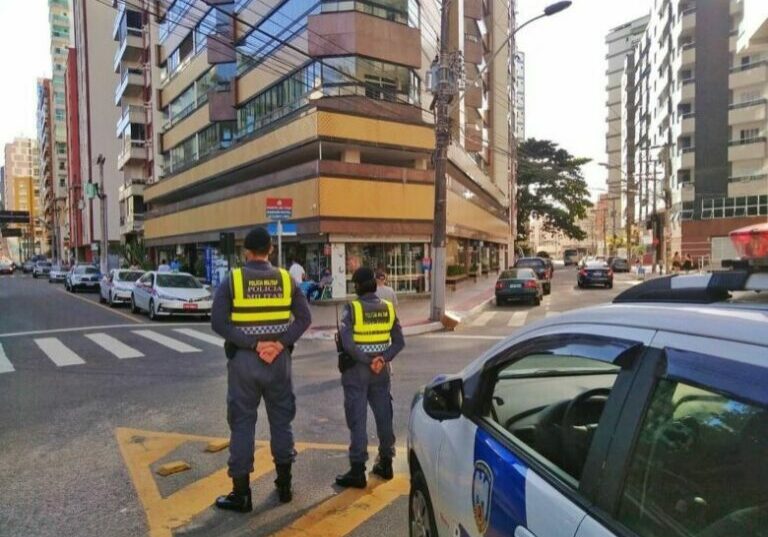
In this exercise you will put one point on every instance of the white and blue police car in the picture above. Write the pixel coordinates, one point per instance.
(646, 417)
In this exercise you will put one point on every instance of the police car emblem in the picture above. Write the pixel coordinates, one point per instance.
(482, 490)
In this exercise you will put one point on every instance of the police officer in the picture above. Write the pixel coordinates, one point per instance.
(371, 336)
(260, 313)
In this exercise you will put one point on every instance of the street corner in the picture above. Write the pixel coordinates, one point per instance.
(181, 503)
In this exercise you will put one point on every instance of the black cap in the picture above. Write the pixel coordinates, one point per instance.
(362, 275)
(258, 240)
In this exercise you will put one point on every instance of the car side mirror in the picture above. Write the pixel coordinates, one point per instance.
(443, 398)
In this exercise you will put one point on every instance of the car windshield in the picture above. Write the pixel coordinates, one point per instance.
(128, 276)
(596, 265)
(520, 274)
(86, 270)
(180, 281)
(529, 263)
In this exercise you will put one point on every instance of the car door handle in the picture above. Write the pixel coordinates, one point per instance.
(522, 531)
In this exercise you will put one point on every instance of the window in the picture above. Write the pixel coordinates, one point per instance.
(699, 467)
(551, 404)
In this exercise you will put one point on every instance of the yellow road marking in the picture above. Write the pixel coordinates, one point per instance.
(343, 513)
(92, 303)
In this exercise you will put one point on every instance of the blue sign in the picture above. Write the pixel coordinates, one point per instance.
(289, 230)
(208, 260)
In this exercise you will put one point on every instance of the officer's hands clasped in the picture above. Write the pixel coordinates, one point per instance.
(377, 365)
(268, 351)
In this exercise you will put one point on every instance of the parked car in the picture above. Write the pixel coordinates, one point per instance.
(162, 294)
(41, 269)
(27, 266)
(6, 267)
(594, 273)
(619, 264)
(519, 285)
(58, 274)
(647, 417)
(117, 286)
(82, 277)
(542, 267)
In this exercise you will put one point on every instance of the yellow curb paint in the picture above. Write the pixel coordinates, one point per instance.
(92, 303)
(173, 468)
(216, 446)
(345, 512)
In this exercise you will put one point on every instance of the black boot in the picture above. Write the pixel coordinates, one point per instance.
(383, 468)
(354, 478)
(283, 482)
(239, 499)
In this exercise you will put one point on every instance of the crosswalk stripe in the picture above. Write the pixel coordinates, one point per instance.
(483, 318)
(59, 353)
(5, 363)
(202, 336)
(173, 344)
(518, 318)
(116, 347)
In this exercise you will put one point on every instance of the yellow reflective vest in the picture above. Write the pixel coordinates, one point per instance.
(261, 302)
(372, 325)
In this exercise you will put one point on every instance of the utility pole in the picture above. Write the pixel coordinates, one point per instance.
(445, 89)
(104, 247)
(654, 223)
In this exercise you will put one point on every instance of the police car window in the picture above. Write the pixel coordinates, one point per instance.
(700, 467)
(179, 281)
(128, 276)
(551, 404)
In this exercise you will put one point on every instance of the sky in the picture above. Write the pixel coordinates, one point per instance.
(565, 71)
(565, 74)
(25, 57)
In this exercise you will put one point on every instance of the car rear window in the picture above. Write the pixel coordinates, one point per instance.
(129, 276)
(178, 280)
(86, 270)
(44, 265)
(517, 274)
(529, 263)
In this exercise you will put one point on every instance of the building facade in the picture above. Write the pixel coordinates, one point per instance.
(323, 103)
(45, 178)
(519, 95)
(21, 193)
(694, 141)
(97, 121)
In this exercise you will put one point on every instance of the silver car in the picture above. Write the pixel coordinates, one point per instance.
(117, 286)
(58, 274)
(82, 277)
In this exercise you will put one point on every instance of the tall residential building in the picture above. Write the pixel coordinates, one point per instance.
(21, 193)
(45, 177)
(323, 103)
(97, 119)
(620, 42)
(59, 17)
(519, 95)
(694, 148)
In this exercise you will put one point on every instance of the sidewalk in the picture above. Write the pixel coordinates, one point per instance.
(413, 312)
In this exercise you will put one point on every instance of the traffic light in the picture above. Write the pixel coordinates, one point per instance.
(227, 243)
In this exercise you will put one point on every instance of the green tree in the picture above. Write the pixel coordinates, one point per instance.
(551, 186)
(135, 254)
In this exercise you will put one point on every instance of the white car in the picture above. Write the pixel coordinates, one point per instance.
(162, 294)
(117, 286)
(647, 417)
(58, 274)
(82, 277)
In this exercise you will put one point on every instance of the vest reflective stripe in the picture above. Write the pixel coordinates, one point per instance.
(372, 333)
(274, 311)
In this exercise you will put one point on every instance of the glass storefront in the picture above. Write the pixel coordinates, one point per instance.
(401, 262)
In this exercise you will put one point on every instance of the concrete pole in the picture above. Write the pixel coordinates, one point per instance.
(104, 248)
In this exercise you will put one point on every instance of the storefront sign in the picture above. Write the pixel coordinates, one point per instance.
(279, 208)
(289, 230)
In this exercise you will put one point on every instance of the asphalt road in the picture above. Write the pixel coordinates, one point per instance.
(93, 401)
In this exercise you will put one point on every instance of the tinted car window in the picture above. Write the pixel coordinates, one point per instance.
(700, 467)
(178, 280)
(536, 263)
(517, 274)
(44, 265)
(86, 270)
(128, 276)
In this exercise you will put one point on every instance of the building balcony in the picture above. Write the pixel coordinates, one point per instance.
(737, 6)
(131, 85)
(131, 187)
(133, 153)
(131, 224)
(131, 114)
(687, 192)
(131, 47)
(120, 7)
(688, 20)
(752, 185)
(747, 149)
(688, 89)
(688, 124)
(748, 112)
(688, 158)
(688, 55)
(748, 75)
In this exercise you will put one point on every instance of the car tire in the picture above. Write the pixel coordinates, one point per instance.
(34, 275)
(151, 311)
(499, 302)
(421, 517)
(609, 286)
(548, 289)
(134, 308)
(102, 300)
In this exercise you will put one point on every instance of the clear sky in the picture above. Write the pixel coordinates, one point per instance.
(25, 56)
(565, 74)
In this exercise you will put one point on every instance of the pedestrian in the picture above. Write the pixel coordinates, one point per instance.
(260, 313)
(297, 271)
(676, 264)
(163, 266)
(371, 337)
(384, 291)
(688, 263)
(175, 265)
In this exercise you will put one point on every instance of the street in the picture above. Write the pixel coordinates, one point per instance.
(93, 401)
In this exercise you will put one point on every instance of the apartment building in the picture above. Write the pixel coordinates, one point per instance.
(324, 103)
(693, 143)
(519, 95)
(21, 193)
(96, 120)
(620, 42)
(60, 20)
(45, 177)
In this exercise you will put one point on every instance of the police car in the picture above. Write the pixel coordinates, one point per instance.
(646, 417)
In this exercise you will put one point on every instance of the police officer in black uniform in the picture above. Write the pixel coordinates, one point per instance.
(261, 314)
(371, 337)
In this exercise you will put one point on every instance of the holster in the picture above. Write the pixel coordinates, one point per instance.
(345, 361)
(229, 349)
